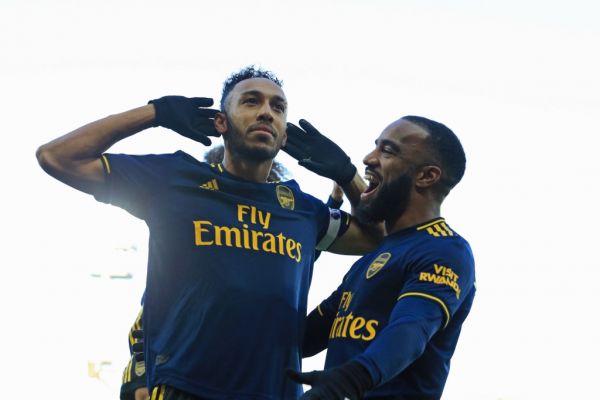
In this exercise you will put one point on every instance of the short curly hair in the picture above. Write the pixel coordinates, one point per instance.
(248, 72)
(446, 149)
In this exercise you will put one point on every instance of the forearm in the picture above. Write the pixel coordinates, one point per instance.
(316, 334)
(75, 157)
(353, 190)
(90, 141)
(372, 234)
(412, 324)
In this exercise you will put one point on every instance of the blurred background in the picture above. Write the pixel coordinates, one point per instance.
(516, 80)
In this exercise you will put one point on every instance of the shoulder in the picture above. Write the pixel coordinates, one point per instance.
(303, 199)
(437, 243)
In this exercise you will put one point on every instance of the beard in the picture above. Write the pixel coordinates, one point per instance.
(389, 204)
(236, 145)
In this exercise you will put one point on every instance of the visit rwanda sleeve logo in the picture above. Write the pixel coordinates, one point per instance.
(285, 196)
(379, 263)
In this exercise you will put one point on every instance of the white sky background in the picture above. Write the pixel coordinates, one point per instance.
(516, 80)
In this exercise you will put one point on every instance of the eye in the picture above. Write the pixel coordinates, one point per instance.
(279, 107)
(388, 149)
(250, 100)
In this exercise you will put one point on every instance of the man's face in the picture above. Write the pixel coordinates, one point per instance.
(255, 119)
(391, 171)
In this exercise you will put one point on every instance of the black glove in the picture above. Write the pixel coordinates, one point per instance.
(317, 153)
(138, 346)
(185, 116)
(348, 381)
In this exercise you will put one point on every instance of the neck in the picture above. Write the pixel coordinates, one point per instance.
(249, 170)
(413, 216)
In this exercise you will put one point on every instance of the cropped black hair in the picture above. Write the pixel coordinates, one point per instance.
(447, 150)
(248, 72)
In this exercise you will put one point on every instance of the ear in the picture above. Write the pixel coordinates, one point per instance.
(428, 176)
(284, 141)
(221, 122)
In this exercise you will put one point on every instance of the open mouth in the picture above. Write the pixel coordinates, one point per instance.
(373, 181)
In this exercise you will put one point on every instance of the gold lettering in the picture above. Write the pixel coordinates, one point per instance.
(228, 234)
(356, 325)
(255, 236)
(345, 300)
(280, 246)
(337, 324)
(299, 251)
(198, 230)
(269, 245)
(290, 245)
(241, 211)
(246, 236)
(264, 219)
(340, 326)
(371, 324)
(348, 318)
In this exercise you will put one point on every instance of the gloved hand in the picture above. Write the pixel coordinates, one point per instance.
(348, 381)
(138, 346)
(317, 153)
(187, 116)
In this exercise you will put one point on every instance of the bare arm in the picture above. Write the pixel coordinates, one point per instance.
(75, 158)
(360, 238)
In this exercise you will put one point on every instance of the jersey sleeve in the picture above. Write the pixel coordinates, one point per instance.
(131, 180)
(318, 325)
(413, 321)
(444, 275)
(333, 223)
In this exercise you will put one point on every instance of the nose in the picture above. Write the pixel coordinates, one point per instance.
(370, 159)
(265, 113)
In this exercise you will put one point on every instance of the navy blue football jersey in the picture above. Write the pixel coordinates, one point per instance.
(431, 269)
(229, 266)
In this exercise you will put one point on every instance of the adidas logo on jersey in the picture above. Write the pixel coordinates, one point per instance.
(210, 185)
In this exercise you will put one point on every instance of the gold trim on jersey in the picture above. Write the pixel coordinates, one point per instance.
(378, 263)
(210, 185)
(158, 392)
(106, 164)
(140, 368)
(320, 311)
(430, 297)
(437, 228)
(137, 325)
(285, 196)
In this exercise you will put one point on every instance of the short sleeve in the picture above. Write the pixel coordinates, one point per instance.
(131, 180)
(333, 223)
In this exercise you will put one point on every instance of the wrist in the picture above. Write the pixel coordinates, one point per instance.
(359, 375)
(346, 175)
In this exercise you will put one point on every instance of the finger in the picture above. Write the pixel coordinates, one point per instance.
(293, 150)
(201, 101)
(194, 134)
(312, 165)
(294, 131)
(206, 126)
(206, 112)
(300, 377)
(311, 130)
(311, 395)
